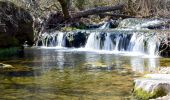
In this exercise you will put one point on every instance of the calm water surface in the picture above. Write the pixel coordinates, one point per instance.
(74, 75)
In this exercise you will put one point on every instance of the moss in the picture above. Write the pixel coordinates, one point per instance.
(68, 28)
(140, 94)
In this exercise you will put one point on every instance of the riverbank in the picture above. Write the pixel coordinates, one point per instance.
(154, 86)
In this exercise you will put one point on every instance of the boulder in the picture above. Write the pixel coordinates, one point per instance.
(15, 25)
(152, 86)
(76, 39)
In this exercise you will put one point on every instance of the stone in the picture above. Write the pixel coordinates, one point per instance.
(6, 66)
(152, 86)
(76, 39)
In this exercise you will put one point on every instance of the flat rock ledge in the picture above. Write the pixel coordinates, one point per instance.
(153, 87)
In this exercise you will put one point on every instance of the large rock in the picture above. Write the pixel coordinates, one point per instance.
(152, 86)
(15, 25)
(77, 39)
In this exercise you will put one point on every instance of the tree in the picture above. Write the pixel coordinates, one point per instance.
(65, 8)
(97, 10)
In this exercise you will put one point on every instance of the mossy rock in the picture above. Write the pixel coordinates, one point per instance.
(141, 94)
(10, 70)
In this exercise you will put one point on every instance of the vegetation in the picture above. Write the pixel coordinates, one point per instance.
(139, 8)
(143, 95)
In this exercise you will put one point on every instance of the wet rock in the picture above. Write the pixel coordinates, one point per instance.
(15, 25)
(164, 47)
(76, 39)
(6, 66)
(152, 86)
(10, 70)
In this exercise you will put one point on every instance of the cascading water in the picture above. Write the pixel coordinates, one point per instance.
(93, 41)
(60, 39)
(136, 41)
(153, 46)
(108, 44)
(55, 39)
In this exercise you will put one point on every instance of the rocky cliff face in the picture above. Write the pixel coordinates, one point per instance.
(15, 25)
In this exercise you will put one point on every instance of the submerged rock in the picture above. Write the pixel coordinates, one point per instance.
(6, 66)
(15, 25)
(152, 86)
(96, 65)
(10, 70)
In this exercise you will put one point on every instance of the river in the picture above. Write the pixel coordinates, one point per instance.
(75, 74)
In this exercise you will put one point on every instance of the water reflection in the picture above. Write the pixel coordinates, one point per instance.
(137, 64)
(65, 75)
(153, 64)
(144, 65)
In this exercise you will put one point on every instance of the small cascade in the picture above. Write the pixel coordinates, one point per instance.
(137, 43)
(117, 43)
(60, 39)
(108, 44)
(153, 46)
(106, 25)
(55, 39)
(93, 41)
(140, 40)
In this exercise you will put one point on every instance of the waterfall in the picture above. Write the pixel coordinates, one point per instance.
(153, 46)
(60, 39)
(117, 43)
(119, 40)
(100, 40)
(54, 39)
(108, 44)
(106, 25)
(93, 41)
(137, 42)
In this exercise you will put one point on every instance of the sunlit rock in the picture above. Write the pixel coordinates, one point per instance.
(152, 86)
(5, 66)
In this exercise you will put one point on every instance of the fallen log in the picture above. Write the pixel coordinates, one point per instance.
(117, 15)
(97, 10)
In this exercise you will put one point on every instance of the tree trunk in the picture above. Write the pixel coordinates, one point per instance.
(97, 10)
(117, 15)
(65, 9)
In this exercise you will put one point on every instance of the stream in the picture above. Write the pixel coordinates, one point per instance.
(72, 74)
